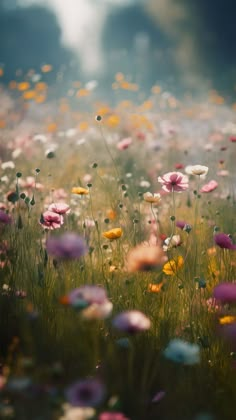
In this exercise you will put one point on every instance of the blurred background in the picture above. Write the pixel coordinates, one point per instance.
(178, 44)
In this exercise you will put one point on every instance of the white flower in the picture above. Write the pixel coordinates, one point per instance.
(8, 165)
(76, 413)
(172, 242)
(144, 184)
(196, 170)
(152, 198)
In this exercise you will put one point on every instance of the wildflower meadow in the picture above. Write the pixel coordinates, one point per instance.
(117, 254)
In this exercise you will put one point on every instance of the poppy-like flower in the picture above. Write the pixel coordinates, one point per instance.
(172, 266)
(155, 287)
(172, 242)
(174, 181)
(228, 319)
(124, 144)
(112, 415)
(60, 208)
(113, 233)
(184, 226)
(80, 191)
(66, 246)
(225, 292)
(85, 393)
(152, 198)
(145, 258)
(91, 300)
(131, 322)
(50, 220)
(210, 186)
(5, 218)
(77, 413)
(223, 241)
(180, 351)
(196, 170)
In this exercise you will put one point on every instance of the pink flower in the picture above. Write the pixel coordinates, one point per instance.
(60, 208)
(223, 241)
(50, 220)
(112, 415)
(5, 218)
(174, 181)
(210, 186)
(124, 144)
(225, 292)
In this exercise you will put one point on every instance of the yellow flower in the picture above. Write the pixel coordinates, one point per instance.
(229, 319)
(113, 233)
(172, 266)
(155, 288)
(79, 191)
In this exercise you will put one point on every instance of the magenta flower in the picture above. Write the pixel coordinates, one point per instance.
(50, 220)
(223, 241)
(225, 292)
(86, 393)
(210, 186)
(174, 181)
(66, 246)
(112, 415)
(5, 218)
(131, 321)
(60, 208)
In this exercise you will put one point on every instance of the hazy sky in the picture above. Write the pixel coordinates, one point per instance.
(188, 40)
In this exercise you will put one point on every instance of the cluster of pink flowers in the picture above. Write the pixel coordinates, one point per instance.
(53, 217)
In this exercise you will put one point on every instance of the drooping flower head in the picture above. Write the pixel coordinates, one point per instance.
(66, 246)
(174, 181)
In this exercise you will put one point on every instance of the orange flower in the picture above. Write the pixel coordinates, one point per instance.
(228, 319)
(113, 233)
(145, 258)
(79, 191)
(172, 266)
(155, 288)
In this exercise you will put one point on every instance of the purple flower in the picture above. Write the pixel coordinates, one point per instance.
(131, 321)
(225, 292)
(86, 393)
(66, 246)
(5, 218)
(224, 241)
(180, 224)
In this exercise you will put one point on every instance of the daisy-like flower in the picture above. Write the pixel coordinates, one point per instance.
(113, 233)
(152, 198)
(196, 170)
(180, 351)
(131, 322)
(80, 191)
(174, 181)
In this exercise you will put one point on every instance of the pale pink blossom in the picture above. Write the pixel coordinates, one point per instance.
(210, 186)
(60, 208)
(174, 181)
(50, 220)
(124, 144)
